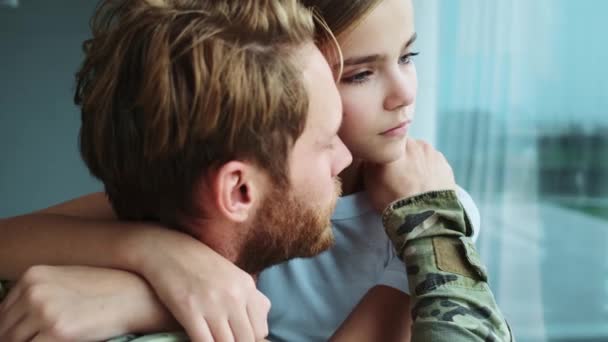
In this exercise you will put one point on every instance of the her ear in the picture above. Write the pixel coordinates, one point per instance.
(236, 190)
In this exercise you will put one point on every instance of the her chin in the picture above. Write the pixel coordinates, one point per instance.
(387, 155)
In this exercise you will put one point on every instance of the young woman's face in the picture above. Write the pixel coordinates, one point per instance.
(378, 86)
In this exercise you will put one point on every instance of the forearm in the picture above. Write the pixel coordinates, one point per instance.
(88, 302)
(185, 274)
(54, 239)
(146, 313)
(450, 296)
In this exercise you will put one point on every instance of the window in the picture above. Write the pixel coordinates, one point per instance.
(519, 100)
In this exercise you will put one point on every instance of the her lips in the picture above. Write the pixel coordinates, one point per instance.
(397, 130)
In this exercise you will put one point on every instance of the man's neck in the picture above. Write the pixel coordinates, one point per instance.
(229, 248)
(217, 235)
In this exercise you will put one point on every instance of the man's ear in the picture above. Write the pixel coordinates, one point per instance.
(236, 190)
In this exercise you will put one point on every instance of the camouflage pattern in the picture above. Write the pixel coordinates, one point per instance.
(450, 296)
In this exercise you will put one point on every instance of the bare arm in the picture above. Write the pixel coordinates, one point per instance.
(383, 314)
(83, 231)
(77, 303)
(203, 290)
(91, 206)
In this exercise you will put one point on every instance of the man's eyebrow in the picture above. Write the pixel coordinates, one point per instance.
(376, 57)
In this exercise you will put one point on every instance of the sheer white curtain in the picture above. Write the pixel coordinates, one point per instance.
(488, 129)
(427, 26)
(495, 76)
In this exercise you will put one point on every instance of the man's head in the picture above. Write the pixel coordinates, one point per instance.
(201, 115)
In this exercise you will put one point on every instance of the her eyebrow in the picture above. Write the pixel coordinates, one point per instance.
(362, 60)
(376, 57)
(411, 41)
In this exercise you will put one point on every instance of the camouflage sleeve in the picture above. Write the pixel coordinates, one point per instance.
(451, 299)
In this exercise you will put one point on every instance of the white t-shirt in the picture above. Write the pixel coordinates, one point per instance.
(312, 297)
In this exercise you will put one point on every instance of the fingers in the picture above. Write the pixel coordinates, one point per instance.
(417, 147)
(10, 299)
(42, 338)
(23, 330)
(201, 332)
(196, 328)
(221, 331)
(257, 310)
(10, 314)
(241, 328)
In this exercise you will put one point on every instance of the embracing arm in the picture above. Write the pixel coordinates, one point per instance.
(449, 293)
(83, 231)
(77, 303)
(451, 298)
(205, 292)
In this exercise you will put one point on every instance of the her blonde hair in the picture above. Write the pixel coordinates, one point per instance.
(342, 16)
(337, 18)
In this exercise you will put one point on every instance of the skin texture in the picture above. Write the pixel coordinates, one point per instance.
(379, 85)
(378, 90)
(231, 311)
(377, 95)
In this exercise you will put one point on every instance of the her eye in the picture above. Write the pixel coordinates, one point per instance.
(358, 78)
(407, 58)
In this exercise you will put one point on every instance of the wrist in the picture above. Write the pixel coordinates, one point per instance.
(418, 201)
(427, 214)
(150, 315)
(133, 249)
(147, 246)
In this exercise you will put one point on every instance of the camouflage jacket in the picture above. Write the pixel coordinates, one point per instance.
(450, 296)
